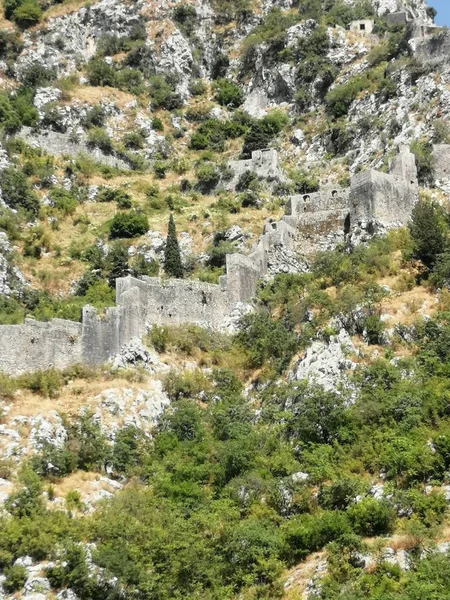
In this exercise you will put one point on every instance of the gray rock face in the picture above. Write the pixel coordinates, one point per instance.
(281, 259)
(36, 584)
(325, 363)
(118, 407)
(72, 39)
(58, 143)
(135, 353)
(176, 57)
(10, 277)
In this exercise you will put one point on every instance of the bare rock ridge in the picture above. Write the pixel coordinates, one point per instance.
(375, 200)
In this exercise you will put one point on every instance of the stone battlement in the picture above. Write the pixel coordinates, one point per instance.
(311, 222)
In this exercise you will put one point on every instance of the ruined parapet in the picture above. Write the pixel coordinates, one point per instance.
(35, 345)
(404, 169)
(316, 202)
(386, 198)
(265, 164)
(280, 233)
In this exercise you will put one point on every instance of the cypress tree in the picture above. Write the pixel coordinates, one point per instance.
(118, 263)
(172, 257)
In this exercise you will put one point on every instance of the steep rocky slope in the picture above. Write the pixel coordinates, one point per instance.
(303, 456)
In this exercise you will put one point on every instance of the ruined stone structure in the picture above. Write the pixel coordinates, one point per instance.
(264, 163)
(312, 222)
(362, 26)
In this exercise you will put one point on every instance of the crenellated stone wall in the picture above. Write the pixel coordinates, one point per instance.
(312, 222)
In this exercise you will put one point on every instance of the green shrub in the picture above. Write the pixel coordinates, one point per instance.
(134, 140)
(265, 339)
(305, 183)
(98, 138)
(188, 384)
(186, 17)
(159, 337)
(99, 73)
(163, 94)
(128, 225)
(130, 80)
(157, 124)
(208, 177)
(95, 117)
(9, 117)
(428, 231)
(27, 14)
(228, 93)
(15, 578)
(423, 151)
(226, 10)
(160, 169)
(198, 87)
(262, 132)
(218, 253)
(36, 75)
(63, 200)
(340, 98)
(371, 517)
(122, 198)
(45, 383)
(16, 191)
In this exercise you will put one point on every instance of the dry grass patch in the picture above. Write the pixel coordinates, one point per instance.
(296, 579)
(94, 95)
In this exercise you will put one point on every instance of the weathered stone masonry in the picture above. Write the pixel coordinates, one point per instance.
(383, 198)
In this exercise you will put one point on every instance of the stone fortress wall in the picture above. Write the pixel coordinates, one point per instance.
(385, 198)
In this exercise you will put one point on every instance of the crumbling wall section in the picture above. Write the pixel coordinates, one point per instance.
(387, 198)
(35, 345)
(177, 302)
(317, 202)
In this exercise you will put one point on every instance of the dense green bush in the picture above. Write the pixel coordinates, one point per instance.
(17, 192)
(128, 225)
(27, 14)
(63, 200)
(428, 231)
(423, 151)
(265, 339)
(208, 177)
(228, 93)
(98, 138)
(163, 94)
(130, 80)
(99, 73)
(262, 132)
(186, 17)
(37, 75)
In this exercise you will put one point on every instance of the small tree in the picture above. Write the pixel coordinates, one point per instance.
(427, 229)
(172, 257)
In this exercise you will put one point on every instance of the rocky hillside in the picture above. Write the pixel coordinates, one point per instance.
(304, 453)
